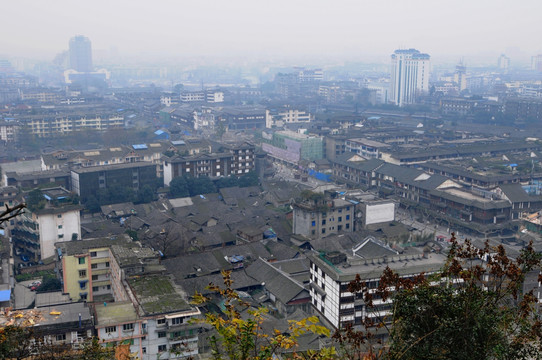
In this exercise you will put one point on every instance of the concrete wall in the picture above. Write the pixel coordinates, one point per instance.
(379, 213)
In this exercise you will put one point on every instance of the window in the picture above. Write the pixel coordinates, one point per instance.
(340, 219)
(339, 228)
(93, 254)
(108, 287)
(347, 226)
(161, 321)
(161, 334)
(81, 260)
(83, 296)
(95, 288)
(94, 277)
(83, 284)
(94, 266)
(128, 327)
(162, 348)
(177, 321)
(347, 217)
(110, 329)
(314, 223)
(107, 264)
(144, 350)
(324, 222)
(323, 231)
(82, 273)
(60, 226)
(61, 337)
(60, 236)
(59, 216)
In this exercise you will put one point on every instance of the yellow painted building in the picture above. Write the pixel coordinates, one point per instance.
(86, 267)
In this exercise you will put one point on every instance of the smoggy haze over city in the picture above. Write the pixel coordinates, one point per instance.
(362, 30)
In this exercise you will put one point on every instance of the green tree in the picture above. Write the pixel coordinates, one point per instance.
(240, 338)
(249, 179)
(225, 182)
(35, 200)
(475, 308)
(178, 187)
(200, 185)
(92, 204)
(49, 283)
(145, 194)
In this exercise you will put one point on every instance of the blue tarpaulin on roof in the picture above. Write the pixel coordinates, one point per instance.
(5, 295)
(319, 175)
(139, 146)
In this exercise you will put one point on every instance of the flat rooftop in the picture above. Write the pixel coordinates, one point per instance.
(157, 295)
(467, 195)
(21, 167)
(114, 313)
(403, 264)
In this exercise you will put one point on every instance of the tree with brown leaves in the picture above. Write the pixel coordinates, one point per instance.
(475, 308)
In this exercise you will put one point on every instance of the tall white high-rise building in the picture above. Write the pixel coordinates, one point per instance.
(503, 62)
(409, 76)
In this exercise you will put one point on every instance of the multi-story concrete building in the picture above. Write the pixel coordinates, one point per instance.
(45, 125)
(139, 307)
(286, 116)
(317, 219)
(8, 129)
(536, 62)
(37, 230)
(209, 96)
(332, 272)
(80, 54)
(242, 118)
(460, 76)
(366, 148)
(291, 147)
(88, 181)
(65, 160)
(503, 62)
(234, 159)
(409, 76)
(90, 269)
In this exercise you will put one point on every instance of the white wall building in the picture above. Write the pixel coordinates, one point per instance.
(57, 225)
(286, 116)
(409, 76)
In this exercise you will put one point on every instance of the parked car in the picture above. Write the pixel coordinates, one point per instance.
(35, 285)
(25, 258)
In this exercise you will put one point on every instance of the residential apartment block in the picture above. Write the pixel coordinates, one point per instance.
(234, 159)
(318, 219)
(136, 304)
(88, 181)
(332, 272)
(292, 147)
(37, 230)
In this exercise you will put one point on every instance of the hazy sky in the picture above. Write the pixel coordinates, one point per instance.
(254, 28)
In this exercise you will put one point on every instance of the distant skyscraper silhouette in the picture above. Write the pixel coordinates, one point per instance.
(503, 62)
(460, 76)
(409, 76)
(80, 54)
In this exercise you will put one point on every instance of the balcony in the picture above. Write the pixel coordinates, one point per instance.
(103, 271)
(101, 283)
